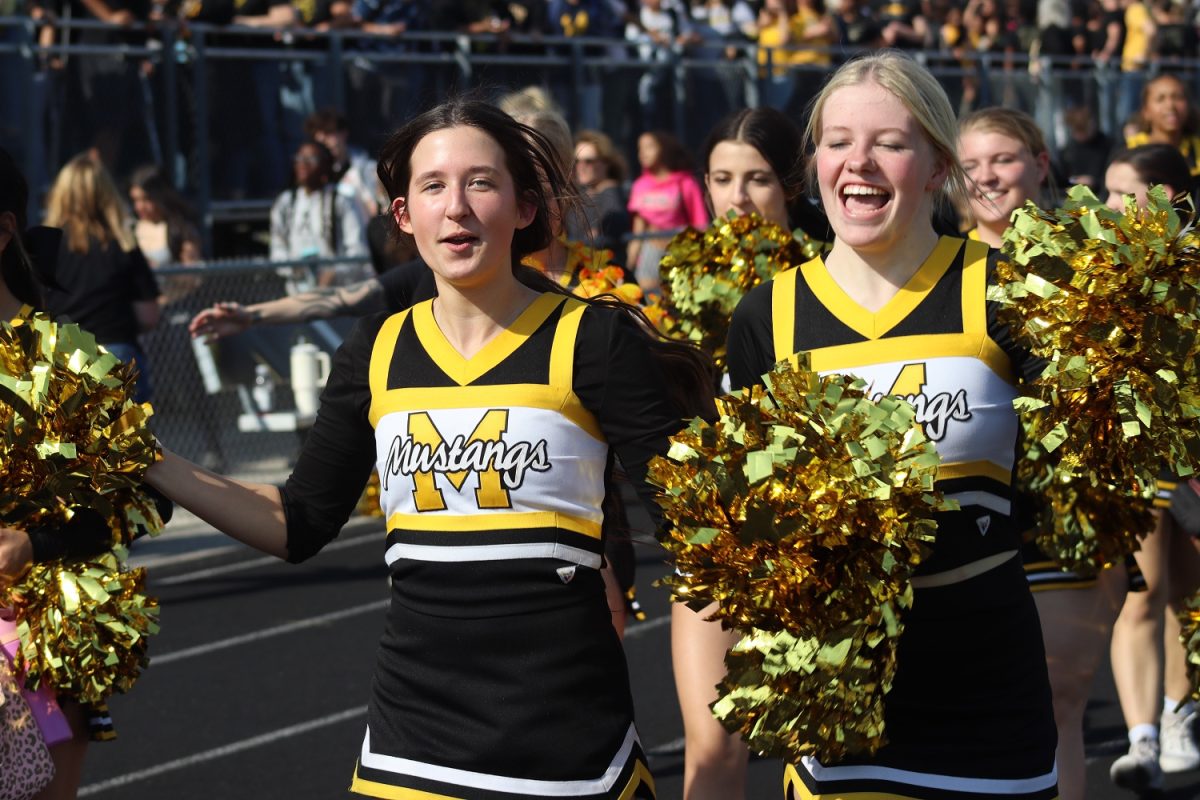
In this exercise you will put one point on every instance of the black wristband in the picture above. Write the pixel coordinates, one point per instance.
(86, 535)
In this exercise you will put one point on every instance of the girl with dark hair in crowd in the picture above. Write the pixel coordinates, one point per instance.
(316, 218)
(104, 283)
(906, 310)
(753, 165)
(1168, 116)
(1148, 662)
(166, 228)
(666, 197)
(490, 412)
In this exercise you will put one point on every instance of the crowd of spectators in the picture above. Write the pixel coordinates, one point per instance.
(1132, 33)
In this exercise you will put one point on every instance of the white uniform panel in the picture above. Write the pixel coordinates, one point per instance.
(964, 407)
(544, 462)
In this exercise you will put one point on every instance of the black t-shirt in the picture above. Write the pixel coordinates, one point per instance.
(98, 289)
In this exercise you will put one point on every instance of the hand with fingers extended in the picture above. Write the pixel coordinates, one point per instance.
(221, 320)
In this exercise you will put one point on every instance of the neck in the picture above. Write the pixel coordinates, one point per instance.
(992, 233)
(872, 278)
(1173, 138)
(470, 317)
(553, 259)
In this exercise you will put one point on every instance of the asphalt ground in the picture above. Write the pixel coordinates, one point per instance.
(259, 678)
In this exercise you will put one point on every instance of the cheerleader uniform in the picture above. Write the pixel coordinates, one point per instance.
(499, 674)
(970, 712)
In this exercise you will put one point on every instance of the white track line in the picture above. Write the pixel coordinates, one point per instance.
(261, 561)
(266, 633)
(637, 629)
(222, 752)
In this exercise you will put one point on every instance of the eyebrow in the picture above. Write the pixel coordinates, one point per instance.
(845, 129)
(475, 170)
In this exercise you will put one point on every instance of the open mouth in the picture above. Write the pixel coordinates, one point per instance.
(460, 242)
(860, 198)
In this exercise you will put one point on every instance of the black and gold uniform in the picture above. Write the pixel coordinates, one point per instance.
(499, 674)
(970, 712)
(1189, 148)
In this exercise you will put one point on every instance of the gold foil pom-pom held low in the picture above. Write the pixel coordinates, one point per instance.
(801, 514)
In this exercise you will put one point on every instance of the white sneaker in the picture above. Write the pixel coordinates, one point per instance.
(1178, 740)
(1138, 770)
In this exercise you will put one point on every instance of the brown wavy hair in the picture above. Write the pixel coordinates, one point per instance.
(542, 181)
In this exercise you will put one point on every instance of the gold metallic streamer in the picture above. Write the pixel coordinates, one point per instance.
(83, 626)
(706, 273)
(1189, 623)
(1109, 300)
(801, 513)
(70, 436)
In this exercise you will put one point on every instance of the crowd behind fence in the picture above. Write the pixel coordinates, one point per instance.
(223, 113)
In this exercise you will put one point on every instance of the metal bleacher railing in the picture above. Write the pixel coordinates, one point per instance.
(221, 108)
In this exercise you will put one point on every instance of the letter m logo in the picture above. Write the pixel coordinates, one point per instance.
(490, 494)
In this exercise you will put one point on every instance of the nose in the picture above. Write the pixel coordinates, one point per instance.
(741, 193)
(860, 158)
(984, 173)
(1116, 201)
(456, 202)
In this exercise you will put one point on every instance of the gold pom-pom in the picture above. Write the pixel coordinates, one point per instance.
(71, 436)
(794, 696)
(1109, 300)
(1189, 623)
(69, 433)
(368, 503)
(705, 274)
(801, 513)
(803, 507)
(83, 627)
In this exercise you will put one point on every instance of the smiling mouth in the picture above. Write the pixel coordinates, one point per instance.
(991, 196)
(858, 198)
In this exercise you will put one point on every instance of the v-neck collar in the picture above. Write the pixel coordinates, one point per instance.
(464, 371)
(874, 324)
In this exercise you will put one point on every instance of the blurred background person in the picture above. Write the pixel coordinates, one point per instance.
(1168, 116)
(316, 218)
(1148, 661)
(665, 197)
(103, 281)
(353, 169)
(601, 172)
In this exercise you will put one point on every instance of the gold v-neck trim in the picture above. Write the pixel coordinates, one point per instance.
(464, 371)
(874, 324)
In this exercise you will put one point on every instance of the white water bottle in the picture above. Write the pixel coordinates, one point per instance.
(264, 389)
(310, 370)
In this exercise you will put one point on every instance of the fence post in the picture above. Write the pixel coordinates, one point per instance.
(170, 79)
(337, 87)
(203, 126)
(462, 56)
(577, 81)
(679, 90)
(35, 167)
